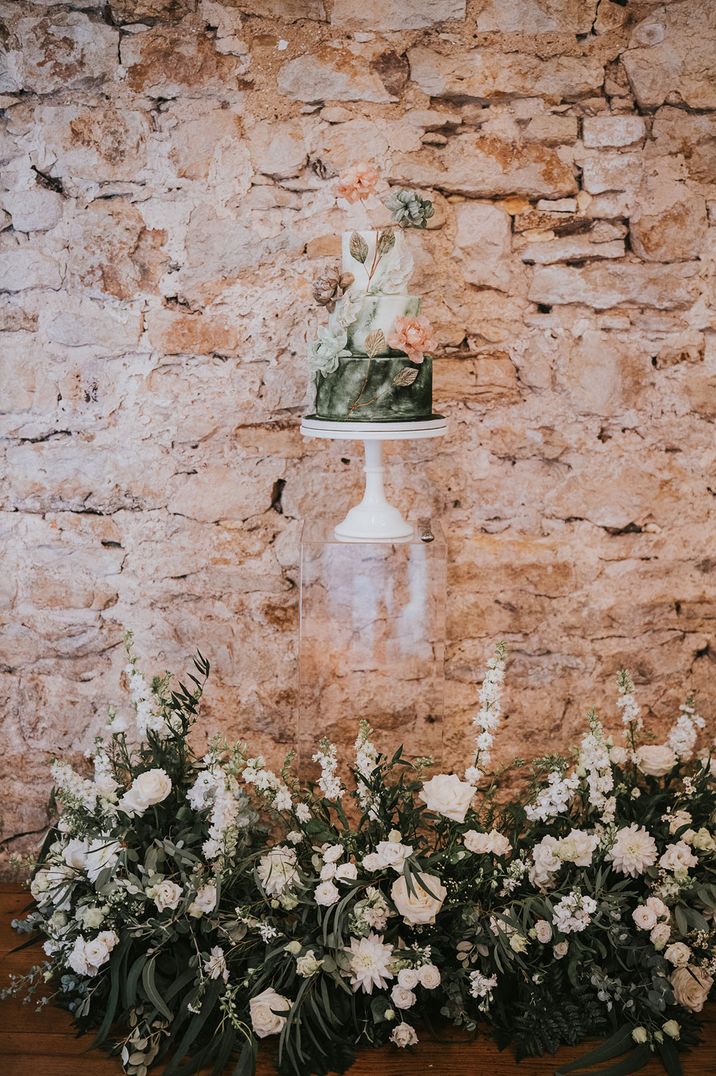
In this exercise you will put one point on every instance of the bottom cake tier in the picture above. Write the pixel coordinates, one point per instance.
(387, 388)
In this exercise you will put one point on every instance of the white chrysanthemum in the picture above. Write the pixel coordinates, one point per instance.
(370, 960)
(633, 850)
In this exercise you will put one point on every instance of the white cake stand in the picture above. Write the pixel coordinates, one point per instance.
(374, 519)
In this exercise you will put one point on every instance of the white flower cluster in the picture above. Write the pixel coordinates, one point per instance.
(78, 788)
(147, 720)
(550, 853)
(481, 986)
(266, 781)
(487, 718)
(104, 780)
(331, 871)
(631, 711)
(87, 957)
(370, 913)
(219, 790)
(366, 760)
(389, 854)
(554, 799)
(684, 733)
(328, 782)
(595, 762)
(573, 913)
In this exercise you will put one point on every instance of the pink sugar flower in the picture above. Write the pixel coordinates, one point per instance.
(358, 182)
(414, 336)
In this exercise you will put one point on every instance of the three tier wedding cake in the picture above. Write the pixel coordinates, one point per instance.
(371, 362)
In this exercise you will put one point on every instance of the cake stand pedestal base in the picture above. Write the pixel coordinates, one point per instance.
(374, 519)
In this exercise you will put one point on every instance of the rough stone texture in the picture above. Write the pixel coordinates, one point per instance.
(165, 201)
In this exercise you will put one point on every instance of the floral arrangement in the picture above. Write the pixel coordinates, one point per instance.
(191, 907)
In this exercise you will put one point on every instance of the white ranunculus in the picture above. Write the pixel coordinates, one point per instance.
(103, 852)
(644, 917)
(660, 935)
(87, 957)
(268, 1012)
(75, 854)
(418, 906)
(447, 795)
(678, 954)
(277, 870)
(655, 760)
(408, 978)
(166, 895)
(326, 894)
(346, 872)
(493, 842)
(204, 901)
(402, 998)
(429, 976)
(678, 857)
(403, 1035)
(146, 789)
(691, 987)
(328, 871)
(543, 931)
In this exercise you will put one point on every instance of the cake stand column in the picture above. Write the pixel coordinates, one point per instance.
(374, 519)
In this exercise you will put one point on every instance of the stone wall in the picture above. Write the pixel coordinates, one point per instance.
(166, 201)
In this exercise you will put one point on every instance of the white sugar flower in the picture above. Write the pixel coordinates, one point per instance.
(370, 960)
(633, 850)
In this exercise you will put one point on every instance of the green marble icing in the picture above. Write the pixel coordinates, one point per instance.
(362, 390)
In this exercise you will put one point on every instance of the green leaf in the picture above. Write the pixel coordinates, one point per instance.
(151, 991)
(117, 967)
(618, 1043)
(358, 247)
(129, 988)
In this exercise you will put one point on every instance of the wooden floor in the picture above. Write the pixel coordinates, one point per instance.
(33, 1044)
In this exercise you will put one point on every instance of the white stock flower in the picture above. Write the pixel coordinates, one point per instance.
(493, 842)
(418, 907)
(204, 901)
(594, 760)
(326, 894)
(487, 718)
(370, 960)
(447, 795)
(268, 1011)
(277, 871)
(215, 964)
(684, 733)
(573, 913)
(328, 782)
(678, 857)
(554, 799)
(147, 789)
(481, 986)
(655, 760)
(403, 1035)
(402, 998)
(633, 850)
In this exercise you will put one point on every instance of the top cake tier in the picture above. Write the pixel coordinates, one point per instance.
(379, 261)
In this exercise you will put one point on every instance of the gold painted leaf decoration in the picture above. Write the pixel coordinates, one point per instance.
(386, 241)
(358, 247)
(405, 377)
(374, 343)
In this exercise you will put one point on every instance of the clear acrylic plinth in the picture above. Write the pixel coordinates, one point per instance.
(372, 641)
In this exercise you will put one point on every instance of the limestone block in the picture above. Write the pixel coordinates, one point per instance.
(114, 253)
(611, 171)
(482, 244)
(670, 221)
(23, 266)
(601, 376)
(552, 129)
(395, 14)
(288, 10)
(335, 74)
(572, 248)
(64, 49)
(278, 149)
(485, 73)
(662, 286)
(93, 143)
(671, 53)
(109, 329)
(537, 16)
(175, 332)
(487, 166)
(167, 61)
(34, 210)
(607, 131)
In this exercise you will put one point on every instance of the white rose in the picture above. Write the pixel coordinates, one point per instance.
(655, 760)
(678, 857)
(103, 852)
(326, 894)
(691, 987)
(678, 954)
(308, 964)
(346, 872)
(408, 978)
(447, 795)
(204, 901)
(402, 998)
(678, 820)
(560, 950)
(660, 935)
(658, 907)
(332, 853)
(481, 843)
(703, 841)
(75, 854)
(268, 1012)
(148, 788)
(618, 755)
(644, 917)
(77, 960)
(578, 847)
(166, 895)
(430, 977)
(388, 854)
(328, 871)
(90, 916)
(543, 930)
(418, 906)
(403, 1035)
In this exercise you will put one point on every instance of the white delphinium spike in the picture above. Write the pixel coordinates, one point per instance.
(488, 716)
(631, 711)
(684, 732)
(327, 759)
(555, 798)
(266, 781)
(147, 720)
(228, 813)
(75, 787)
(104, 778)
(594, 761)
(366, 762)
